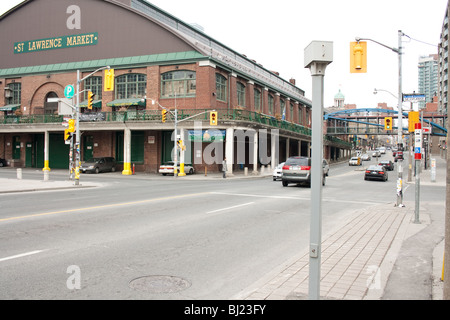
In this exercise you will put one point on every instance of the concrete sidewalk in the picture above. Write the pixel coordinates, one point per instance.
(360, 259)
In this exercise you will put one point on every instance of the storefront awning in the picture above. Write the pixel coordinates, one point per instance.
(126, 102)
(95, 104)
(10, 107)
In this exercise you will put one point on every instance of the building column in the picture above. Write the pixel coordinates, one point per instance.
(46, 151)
(229, 150)
(127, 153)
(288, 143)
(182, 173)
(274, 148)
(255, 152)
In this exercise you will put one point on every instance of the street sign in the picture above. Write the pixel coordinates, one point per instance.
(426, 130)
(413, 97)
(69, 91)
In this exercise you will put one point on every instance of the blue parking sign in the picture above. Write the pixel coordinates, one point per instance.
(69, 91)
(417, 150)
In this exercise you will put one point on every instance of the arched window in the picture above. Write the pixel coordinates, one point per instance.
(176, 84)
(221, 87)
(130, 85)
(241, 94)
(257, 100)
(50, 107)
(271, 104)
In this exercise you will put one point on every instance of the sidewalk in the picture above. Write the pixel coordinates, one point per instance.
(359, 257)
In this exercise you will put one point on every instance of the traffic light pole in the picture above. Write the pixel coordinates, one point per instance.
(400, 115)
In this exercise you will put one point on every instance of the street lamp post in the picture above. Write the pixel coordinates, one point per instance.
(400, 114)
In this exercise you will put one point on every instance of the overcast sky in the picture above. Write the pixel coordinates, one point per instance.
(275, 34)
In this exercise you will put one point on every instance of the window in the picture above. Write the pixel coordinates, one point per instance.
(221, 87)
(257, 100)
(93, 84)
(283, 109)
(241, 94)
(130, 86)
(178, 84)
(291, 115)
(16, 89)
(271, 102)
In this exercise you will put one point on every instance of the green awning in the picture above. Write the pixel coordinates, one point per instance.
(126, 102)
(10, 107)
(95, 104)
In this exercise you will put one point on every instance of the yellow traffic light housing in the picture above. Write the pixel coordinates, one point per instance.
(67, 135)
(213, 118)
(164, 115)
(90, 99)
(388, 123)
(109, 80)
(358, 57)
(71, 125)
(413, 118)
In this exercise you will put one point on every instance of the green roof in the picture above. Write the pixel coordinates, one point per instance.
(113, 62)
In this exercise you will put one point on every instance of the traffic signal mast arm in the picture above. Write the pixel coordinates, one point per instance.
(396, 50)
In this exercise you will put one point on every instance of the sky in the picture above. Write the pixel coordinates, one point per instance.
(275, 34)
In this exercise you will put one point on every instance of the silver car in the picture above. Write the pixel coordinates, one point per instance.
(298, 170)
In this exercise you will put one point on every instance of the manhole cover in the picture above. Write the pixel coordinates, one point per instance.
(160, 284)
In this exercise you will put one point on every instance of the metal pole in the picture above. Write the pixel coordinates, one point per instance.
(77, 141)
(400, 125)
(316, 187)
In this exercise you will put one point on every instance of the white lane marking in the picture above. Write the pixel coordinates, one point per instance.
(21, 255)
(233, 207)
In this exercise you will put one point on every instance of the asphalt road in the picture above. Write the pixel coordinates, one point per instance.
(152, 237)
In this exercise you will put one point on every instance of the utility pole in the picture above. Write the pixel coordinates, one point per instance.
(318, 55)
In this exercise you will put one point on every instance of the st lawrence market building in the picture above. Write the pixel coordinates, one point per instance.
(160, 63)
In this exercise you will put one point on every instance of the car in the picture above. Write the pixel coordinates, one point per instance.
(297, 170)
(277, 172)
(388, 164)
(376, 172)
(366, 157)
(376, 153)
(167, 168)
(99, 164)
(382, 150)
(3, 162)
(398, 156)
(355, 161)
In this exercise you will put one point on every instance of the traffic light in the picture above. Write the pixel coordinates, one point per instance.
(164, 115)
(71, 125)
(213, 118)
(413, 118)
(109, 80)
(388, 123)
(358, 57)
(67, 135)
(90, 99)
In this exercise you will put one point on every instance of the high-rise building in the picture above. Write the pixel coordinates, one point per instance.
(428, 77)
(443, 65)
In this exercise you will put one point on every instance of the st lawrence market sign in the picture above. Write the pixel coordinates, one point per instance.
(87, 39)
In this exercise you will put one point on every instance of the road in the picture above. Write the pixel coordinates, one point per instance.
(151, 237)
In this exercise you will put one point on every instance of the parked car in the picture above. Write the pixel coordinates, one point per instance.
(99, 164)
(388, 164)
(398, 156)
(366, 157)
(277, 171)
(3, 162)
(355, 161)
(167, 168)
(298, 170)
(376, 172)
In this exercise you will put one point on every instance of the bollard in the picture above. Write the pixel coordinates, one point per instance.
(19, 173)
(262, 170)
(245, 171)
(46, 175)
(206, 171)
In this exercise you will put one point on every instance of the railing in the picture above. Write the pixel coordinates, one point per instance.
(155, 116)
